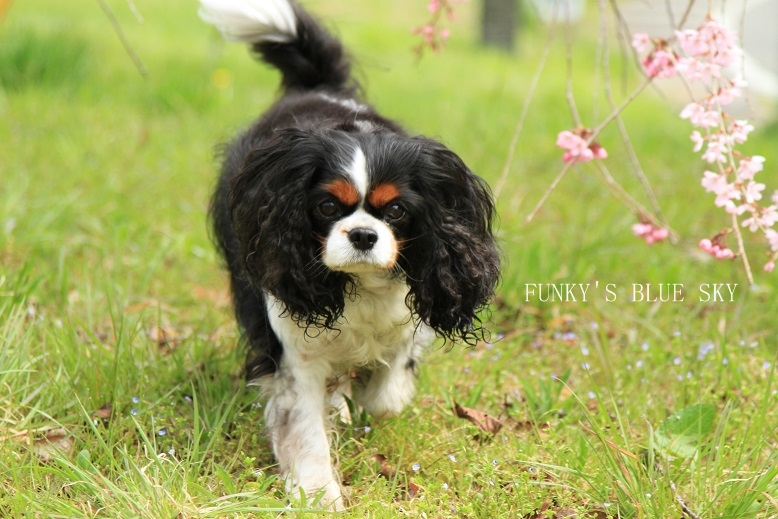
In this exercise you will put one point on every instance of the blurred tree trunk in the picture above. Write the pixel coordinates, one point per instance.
(499, 21)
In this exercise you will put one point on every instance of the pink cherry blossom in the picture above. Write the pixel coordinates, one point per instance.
(577, 148)
(717, 150)
(717, 248)
(701, 57)
(660, 64)
(753, 191)
(739, 130)
(772, 239)
(764, 218)
(697, 71)
(700, 116)
(641, 42)
(692, 43)
(649, 232)
(698, 140)
(749, 166)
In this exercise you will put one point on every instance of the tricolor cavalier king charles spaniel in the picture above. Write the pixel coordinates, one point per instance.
(350, 244)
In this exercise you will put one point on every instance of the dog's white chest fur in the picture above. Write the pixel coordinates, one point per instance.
(375, 324)
(378, 336)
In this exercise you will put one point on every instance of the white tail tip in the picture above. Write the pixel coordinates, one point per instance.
(251, 21)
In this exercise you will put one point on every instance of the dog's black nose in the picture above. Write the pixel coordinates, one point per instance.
(362, 238)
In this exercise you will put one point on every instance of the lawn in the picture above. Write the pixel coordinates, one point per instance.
(120, 377)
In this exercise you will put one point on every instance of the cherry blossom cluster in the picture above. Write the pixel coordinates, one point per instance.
(650, 232)
(716, 247)
(578, 147)
(433, 33)
(700, 57)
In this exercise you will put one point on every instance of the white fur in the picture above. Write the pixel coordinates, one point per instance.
(251, 20)
(376, 335)
(340, 254)
(351, 104)
(357, 170)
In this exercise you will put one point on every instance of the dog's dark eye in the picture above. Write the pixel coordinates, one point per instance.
(328, 209)
(394, 212)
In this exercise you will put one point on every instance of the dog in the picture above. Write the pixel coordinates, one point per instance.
(351, 245)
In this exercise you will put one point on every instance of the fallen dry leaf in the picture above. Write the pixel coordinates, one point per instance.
(150, 303)
(220, 298)
(54, 442)
(409, 489)
(540, 513)
(482, 420)
(104, 413)
(166, 337)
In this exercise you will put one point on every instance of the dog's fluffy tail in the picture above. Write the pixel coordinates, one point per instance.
(287, 37)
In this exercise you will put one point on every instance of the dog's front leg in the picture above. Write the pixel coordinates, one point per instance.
(295, 417)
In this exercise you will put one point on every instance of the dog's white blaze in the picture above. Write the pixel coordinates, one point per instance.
(251, 20)
(340, 254)
(357, 171)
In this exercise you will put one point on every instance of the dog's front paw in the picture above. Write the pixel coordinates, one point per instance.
(326, 497)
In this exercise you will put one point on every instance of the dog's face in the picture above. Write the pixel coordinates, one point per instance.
(312, 209)
(363, 223)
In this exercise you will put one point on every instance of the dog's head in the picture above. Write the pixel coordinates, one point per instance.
(314, 209)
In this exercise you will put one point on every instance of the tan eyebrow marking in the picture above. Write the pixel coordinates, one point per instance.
(344, 191)
(382, 194)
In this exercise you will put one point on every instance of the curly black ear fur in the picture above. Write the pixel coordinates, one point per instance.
(454, 265)
(278, 249)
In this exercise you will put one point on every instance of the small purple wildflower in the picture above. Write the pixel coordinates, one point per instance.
(705, 348)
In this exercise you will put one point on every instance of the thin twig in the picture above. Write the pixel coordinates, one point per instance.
(682, 502)
(120, 33)
(678, 498)
(523, 116)
(548, 192)
(632, 155)
(622, 195)
(595, 132)
(685, 17)
(742, 249)
(569, 61)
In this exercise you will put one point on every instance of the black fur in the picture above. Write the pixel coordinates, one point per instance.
(261, 210)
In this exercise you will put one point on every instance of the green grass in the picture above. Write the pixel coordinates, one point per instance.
(105, 177)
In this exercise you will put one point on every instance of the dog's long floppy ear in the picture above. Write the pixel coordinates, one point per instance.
(454, 264)
(278, 249)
